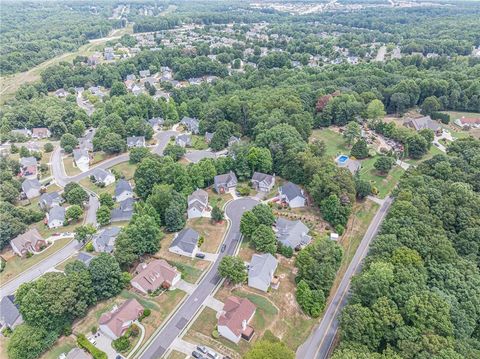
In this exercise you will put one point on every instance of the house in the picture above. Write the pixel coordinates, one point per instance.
(424, 123)
(191, 124)
(96, 91)
(41, 132)
(116, 322)
(234, 318)
(144, 73)
(131, 77)
(104, 240)
(85, 258)
(185, 243)
(31, 188)
(28, 242)
(349, 163)
(467, 123)
(82, 159)
(208, 137)
(102, 176)
(28, 167)
(197, 203)
(48, 200)
(124, 212)
(93, 60)
(292, 195)
(183, 140)
(56, 217)
(233, 140)
(123, 190)
(223, 183)
(263, 182)
(61, 93)
(156, 123)
(293, 234)
(261, 270)
(22, 132)
(136, 141)
(10, 317)
(77, 353)
(154, 275)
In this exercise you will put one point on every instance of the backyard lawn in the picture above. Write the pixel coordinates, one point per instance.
(176, 355)
(63, 345)
(94, 188)
(126, 169)
(334, 142)
(384, 184)
(217, 199)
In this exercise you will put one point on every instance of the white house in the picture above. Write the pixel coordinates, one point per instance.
(56, 217)
(185, 243)
(292, 194)
(123, 190)
(82, 159)
(197, 204)
(261, 270)
(234, 318)
(102, 176)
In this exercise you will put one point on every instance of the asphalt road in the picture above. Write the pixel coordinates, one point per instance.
(165, 337)
(320, 342)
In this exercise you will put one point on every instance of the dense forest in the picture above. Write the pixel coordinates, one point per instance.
(418, 295)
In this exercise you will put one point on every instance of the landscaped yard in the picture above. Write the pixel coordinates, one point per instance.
(198, 142)
(16, 265)
(63, 345)
(212, 233)
(70, 168)
(217, 199)
(126, 169)
(334, 142)
(384, 184)
(94, 188)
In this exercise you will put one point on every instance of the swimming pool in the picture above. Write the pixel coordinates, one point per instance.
(342, 159)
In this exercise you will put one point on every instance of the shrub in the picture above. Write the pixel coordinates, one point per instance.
(201, 240)
(94, 329)
(285, 250)
(89, 247)
(339, 229)
(146, 313)
(243, 190)
(83, 342)
(215, 334)
(134, 330)
(121, 344)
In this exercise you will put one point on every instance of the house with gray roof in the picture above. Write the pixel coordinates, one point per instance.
(208, 136)
(422, 123)
(197, 204)
(124, 212)
(263, 182)
(293, 234)
(183, 140)
(292, 195)
(102, 176)
(85, 258)
(233, 140)
(136, 141)
(185, 243)
(28, 167)
(131, 77)
(82, 159)
(156, 123)
(144, 73)
(224, 183)
(10, 316)
(31, 188)
(56, 217)
(22, 132)
(261, 271)
(48, 200)
(123, 190)
(191, 124)
(104, 241)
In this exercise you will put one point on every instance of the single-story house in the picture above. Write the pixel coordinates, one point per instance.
(28, 167)
(56, 217)
(154, 275)
(102, 176)
(123, 190)
(77, 353)
(234, 318)
(31, 188)
(183, 140)
(263, 182)
(41, 132)
(116, 322)
(28, 242)
(136, 141)
(85, 258)
(293, 234)
(10, 316)
(104, 240)
(185, 243)
(82, 159)
(261, 271)
(292, 194)
(424, 123)
(192, 124)
(223, 183)
(61, 93)
(48, 200)
(124, 212)
(208, 137)
(466, 123)
(197, 203)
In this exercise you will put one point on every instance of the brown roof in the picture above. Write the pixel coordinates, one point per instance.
(470, 121)
(41, 131)
(27, 240)
(130, 310)
(235, 311)
(155, 274)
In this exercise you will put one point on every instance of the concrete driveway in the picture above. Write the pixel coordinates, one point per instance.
(104, 343)
(198, 155)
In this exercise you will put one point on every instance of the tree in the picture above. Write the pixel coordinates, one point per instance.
(400, 103)
(264, 214)
(84, 233)
(29, 342)
(264, 240)
(118, 89)
(233, 269)
(248, 223)
(363, 188)
(107, 200)
(73, 213)
(137, 154)
(106, 276)
(264, 349)
(384, 164)
(113, 143)
(24, 152)
(48, 147)
(430, 105)
(217, 214)
(174, 151)
(103, 215)
(68, 142)
(312, 302)
(78, 128)
(174, 218)
(351, 132)
(334, 211)
(75, 194)
(375, 110)
(360, 149)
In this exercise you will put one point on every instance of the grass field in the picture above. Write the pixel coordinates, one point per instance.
(70, 168)
(212, 233)
(334, 142)
(94, 188)
(176, 355)
(126, 169)
(63, 345)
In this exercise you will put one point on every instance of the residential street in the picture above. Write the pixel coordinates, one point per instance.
(167, 335)
(320, 342)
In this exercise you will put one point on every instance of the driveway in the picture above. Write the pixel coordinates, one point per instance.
(104, 343)
(163, 339)
(198, 155)
(213, 303)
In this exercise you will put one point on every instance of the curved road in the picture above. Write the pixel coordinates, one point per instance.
(165, 337)
(320, 343)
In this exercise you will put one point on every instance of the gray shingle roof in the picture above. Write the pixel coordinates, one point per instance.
(122, 186)
(56, 213)
(29, 184)
(136, 141)
(79, 153)
(48, 199)
(9, 313)
(262, 266)
(223, 180)
(28, 161)
(104, 240)
(84, 258)
(124, 212)
(100, 174)
(260, 177)
(291, 191)
(186, 240)
(292, 233)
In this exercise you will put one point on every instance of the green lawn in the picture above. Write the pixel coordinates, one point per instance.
(126, 169)
(63, 345)
(198, 142)
(384, 184)
(335, 144)
(189, 274)
(70, 168)
(94, 188)
(432, 152)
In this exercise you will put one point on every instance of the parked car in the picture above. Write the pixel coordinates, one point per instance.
(200, 255)
(196, 355)
(224, 246)
(202, 349)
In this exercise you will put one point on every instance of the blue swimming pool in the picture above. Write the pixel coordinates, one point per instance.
(342, 159)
